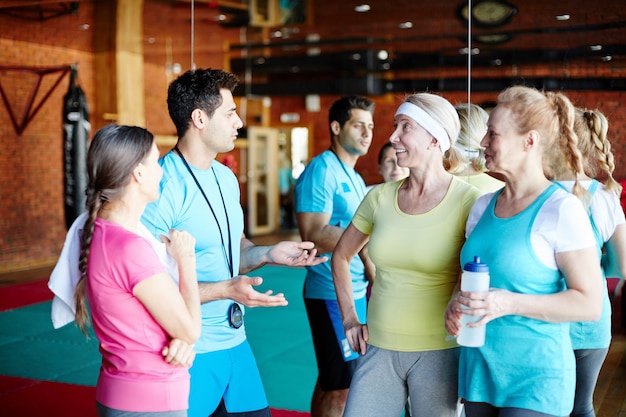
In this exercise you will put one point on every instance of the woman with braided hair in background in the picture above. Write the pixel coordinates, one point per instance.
(471, 166)
(591, 340)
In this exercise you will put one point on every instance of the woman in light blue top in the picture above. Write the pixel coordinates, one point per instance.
(544, 267)
(591, 340)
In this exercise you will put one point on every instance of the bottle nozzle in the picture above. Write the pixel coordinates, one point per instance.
(476, 266)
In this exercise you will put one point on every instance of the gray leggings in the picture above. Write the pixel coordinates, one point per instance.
(588, 365)
(385, 378)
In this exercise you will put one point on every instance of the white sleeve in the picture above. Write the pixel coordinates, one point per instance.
(607, 213)
(562, 225)
(477, 211)
(574, 230)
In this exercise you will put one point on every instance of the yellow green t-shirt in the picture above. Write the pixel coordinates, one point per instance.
(483, 181)
(417, 265)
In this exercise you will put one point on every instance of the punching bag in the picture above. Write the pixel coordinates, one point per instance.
(76, 130)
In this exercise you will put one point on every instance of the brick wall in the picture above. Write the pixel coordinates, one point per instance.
(32, 225)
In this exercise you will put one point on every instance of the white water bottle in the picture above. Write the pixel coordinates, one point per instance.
(475, 277)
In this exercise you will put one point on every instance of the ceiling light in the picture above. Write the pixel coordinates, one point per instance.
(464, 51)
(562, 17)
(84, 26)
(383, 55)
(313, 37)
(356, 56)
(313, 51)
(405, 25)
(606, 58)
(151, 40)
(277, 34)
(362, 8)
(596, 47)
(496, 62)
(290, 117)
(290, 30)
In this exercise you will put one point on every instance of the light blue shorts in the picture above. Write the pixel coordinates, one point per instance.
(231, 374)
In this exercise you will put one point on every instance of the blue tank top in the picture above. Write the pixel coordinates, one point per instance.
(594, 334)
(525, 363)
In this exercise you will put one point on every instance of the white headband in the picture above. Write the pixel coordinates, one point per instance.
(471, 153)
(427, 122)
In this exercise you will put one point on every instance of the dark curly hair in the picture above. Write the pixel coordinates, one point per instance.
(197, 89)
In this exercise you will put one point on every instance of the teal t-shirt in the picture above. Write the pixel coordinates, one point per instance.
(327, 185)
(182, 206)
(594, 334)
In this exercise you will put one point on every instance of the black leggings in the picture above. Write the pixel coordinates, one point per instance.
(487, 410)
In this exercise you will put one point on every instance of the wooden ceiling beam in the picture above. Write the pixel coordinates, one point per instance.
(5, 4)
(222, 3)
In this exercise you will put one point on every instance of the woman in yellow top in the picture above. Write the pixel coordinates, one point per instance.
(471, 167)
(415, 229)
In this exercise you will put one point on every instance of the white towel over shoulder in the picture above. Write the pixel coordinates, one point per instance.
(66, 274)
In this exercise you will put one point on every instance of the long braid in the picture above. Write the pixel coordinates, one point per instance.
(568, 142)
(113, 154)
(603, 164)
(94, 205)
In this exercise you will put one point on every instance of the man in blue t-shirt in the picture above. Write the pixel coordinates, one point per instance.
(327, 194)
(201, 195)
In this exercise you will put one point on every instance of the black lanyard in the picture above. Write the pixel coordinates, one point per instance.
(229, 255)
(361, 195)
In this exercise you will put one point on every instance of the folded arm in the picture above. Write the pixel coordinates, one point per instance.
(581, 301)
